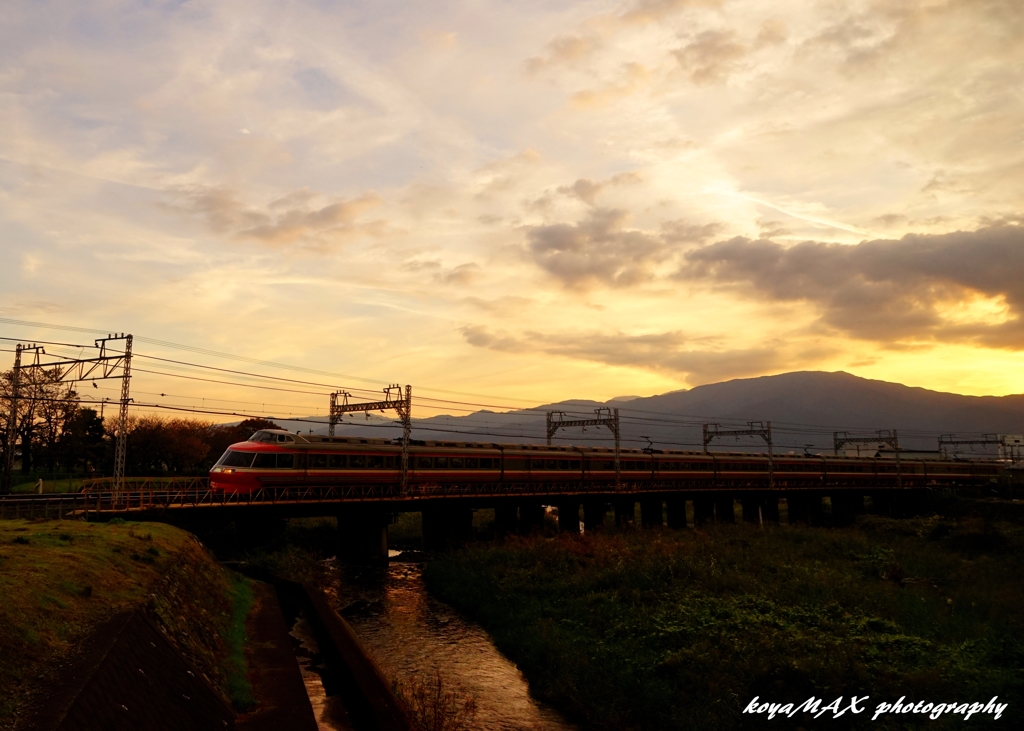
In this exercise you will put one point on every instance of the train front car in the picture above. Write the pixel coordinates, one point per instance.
(268, 455)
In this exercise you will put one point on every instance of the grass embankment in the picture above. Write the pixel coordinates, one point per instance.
(59, 580)
(680, 630)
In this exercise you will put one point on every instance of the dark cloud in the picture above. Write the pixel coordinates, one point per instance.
(586, 189)
(670, 352)
(711, 57)
(561, 50)
(456, 276)
(283, 221)
(885, 289)
(770, 229)
(649, 11)
(598, 250)
(682, 231)
(890, 219)
(460, 275)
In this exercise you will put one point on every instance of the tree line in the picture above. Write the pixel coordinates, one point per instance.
(56, 433)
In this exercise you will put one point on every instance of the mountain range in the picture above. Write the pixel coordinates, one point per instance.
(804, 409)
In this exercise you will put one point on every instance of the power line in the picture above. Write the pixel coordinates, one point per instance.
(643, 415)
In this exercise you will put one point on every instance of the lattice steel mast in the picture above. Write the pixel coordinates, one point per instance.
(761, 429)
(605, 417)
(891, 438)
(393, 399)
(105, 365)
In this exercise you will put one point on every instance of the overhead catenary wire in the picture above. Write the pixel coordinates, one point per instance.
(641, 415)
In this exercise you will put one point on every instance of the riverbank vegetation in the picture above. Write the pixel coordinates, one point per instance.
(60, 580)
(680, 630)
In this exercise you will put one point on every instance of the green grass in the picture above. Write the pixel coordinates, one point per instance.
(238, 688)
(50, 486)
(60, 579)
(679, 630)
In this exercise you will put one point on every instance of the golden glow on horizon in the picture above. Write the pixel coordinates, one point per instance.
(532, 202)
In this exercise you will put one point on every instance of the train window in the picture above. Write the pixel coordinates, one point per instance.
(265, 460)
(285, 461)
(606, 465)
(318, 461)
(357, 461)
(375, 461)
(337, 462)
(266, 437)
(487, 463)
(237, 459)
(456, 463)
(285, 438)
(391, 463)
(424, 463)
(441, 463)
(472, 463)
(515, 463)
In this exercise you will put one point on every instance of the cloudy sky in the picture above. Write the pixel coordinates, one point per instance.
(532, 200)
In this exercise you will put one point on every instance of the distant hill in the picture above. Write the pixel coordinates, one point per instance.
(805, 407)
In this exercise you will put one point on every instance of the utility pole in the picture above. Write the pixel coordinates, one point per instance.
(605, 417)
(393, 399)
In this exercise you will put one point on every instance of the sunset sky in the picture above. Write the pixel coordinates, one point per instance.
(525, 200)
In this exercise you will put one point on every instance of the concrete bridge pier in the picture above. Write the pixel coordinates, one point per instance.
(770, 508)
(881, 503)
(445, 526)
(703, 509)
(506, 519)
(625, 512)
(751, 509)
(363, 533)
(908, 503)
(594, 512)
(675, 506)
(805, 507)
(725, 512)
(846, 506)
(651, 513)
(531, 517)
(569, 517)
(798, 508)
(258, 527)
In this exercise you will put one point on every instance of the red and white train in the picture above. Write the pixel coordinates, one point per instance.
(273, 457)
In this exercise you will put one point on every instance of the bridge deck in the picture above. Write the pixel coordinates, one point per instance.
(144, 496)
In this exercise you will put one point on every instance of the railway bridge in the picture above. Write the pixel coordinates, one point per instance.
(364, 511)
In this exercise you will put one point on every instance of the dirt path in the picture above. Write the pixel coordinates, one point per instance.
(276, 680)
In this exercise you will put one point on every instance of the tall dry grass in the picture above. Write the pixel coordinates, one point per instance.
(434, 704)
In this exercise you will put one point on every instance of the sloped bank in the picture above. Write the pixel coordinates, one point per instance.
(69, 587)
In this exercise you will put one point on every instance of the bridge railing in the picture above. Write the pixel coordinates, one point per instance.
(142, 484)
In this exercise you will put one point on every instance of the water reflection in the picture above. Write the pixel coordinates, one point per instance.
(410, 634)
(330, 711)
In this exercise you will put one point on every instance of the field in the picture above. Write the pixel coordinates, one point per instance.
(680, 630)
(60, 579)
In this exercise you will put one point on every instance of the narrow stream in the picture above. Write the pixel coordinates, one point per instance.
(410, 635)
(329, 710)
